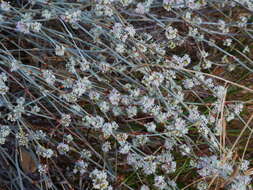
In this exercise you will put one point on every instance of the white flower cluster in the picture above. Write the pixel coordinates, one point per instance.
(65, 120)
(42, 169)
(35, 109)
(176, 4)
(38, 135)
(109, 127)
(131, 111)
(44, 152)
(179, 128)
(49, 76)
(140, 140)
(106, 147)
(142, 8)
(161, 183)
(59, 50)
(104, 8)
(63, 148)
(149, 164)
(72, 16)
(147, 103)
(75, 62)
(96, 122)
(14, 64)
(5, 6)
(153, 79)
(68, 138)
(151, 127)
(168, 165)
(114, 97)
(99, 179)
(3, 87)
(223, 26)
(234, 110)
(4, 132)
(144, 187)
(125, 148)
(17, 111)
(27, 25)
(80, 166)
(181, 61)
(171, 33)
(22, 138)
(121, 32)
(212, 166)
(80, 87)
(47, 14)
(85, 154)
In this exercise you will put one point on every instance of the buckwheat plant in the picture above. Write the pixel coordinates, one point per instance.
(126, 94)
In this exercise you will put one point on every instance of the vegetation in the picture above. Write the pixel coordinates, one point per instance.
(126, 94)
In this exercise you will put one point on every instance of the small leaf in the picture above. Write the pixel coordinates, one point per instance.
(28, 160)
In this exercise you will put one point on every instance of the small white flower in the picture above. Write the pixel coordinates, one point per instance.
(131, 111)
(144, 187)
(188, 83)
(23, 26)
(244, 165)
(72, 16)
(80, 166)
(126, 2)
(42, 169)
(5, 6)
(85, 154)
(49, 76)
(59, 50)
(93, 95)
(3, 88)
(151, 127)
(121, 138)
(35, 109)
(246, 49)
(141, 8)
(219, 91)
(4, 130)
(46, 14)
(69, 138)
(228, 42)
(130, 30)
(114, 97)
(120, 48)
(243, 21)
(171, 33)
(15, 65)
(222, 26)
(63, 148)
(185, 150)
(160, 182)
(38, 135)
(104, 106)
(35, 26)
(22, 138)
(99, 179)
(106, 146)
(46, 153)
(117, 110)
(140, 140)
(124, 149)
(65, 120)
